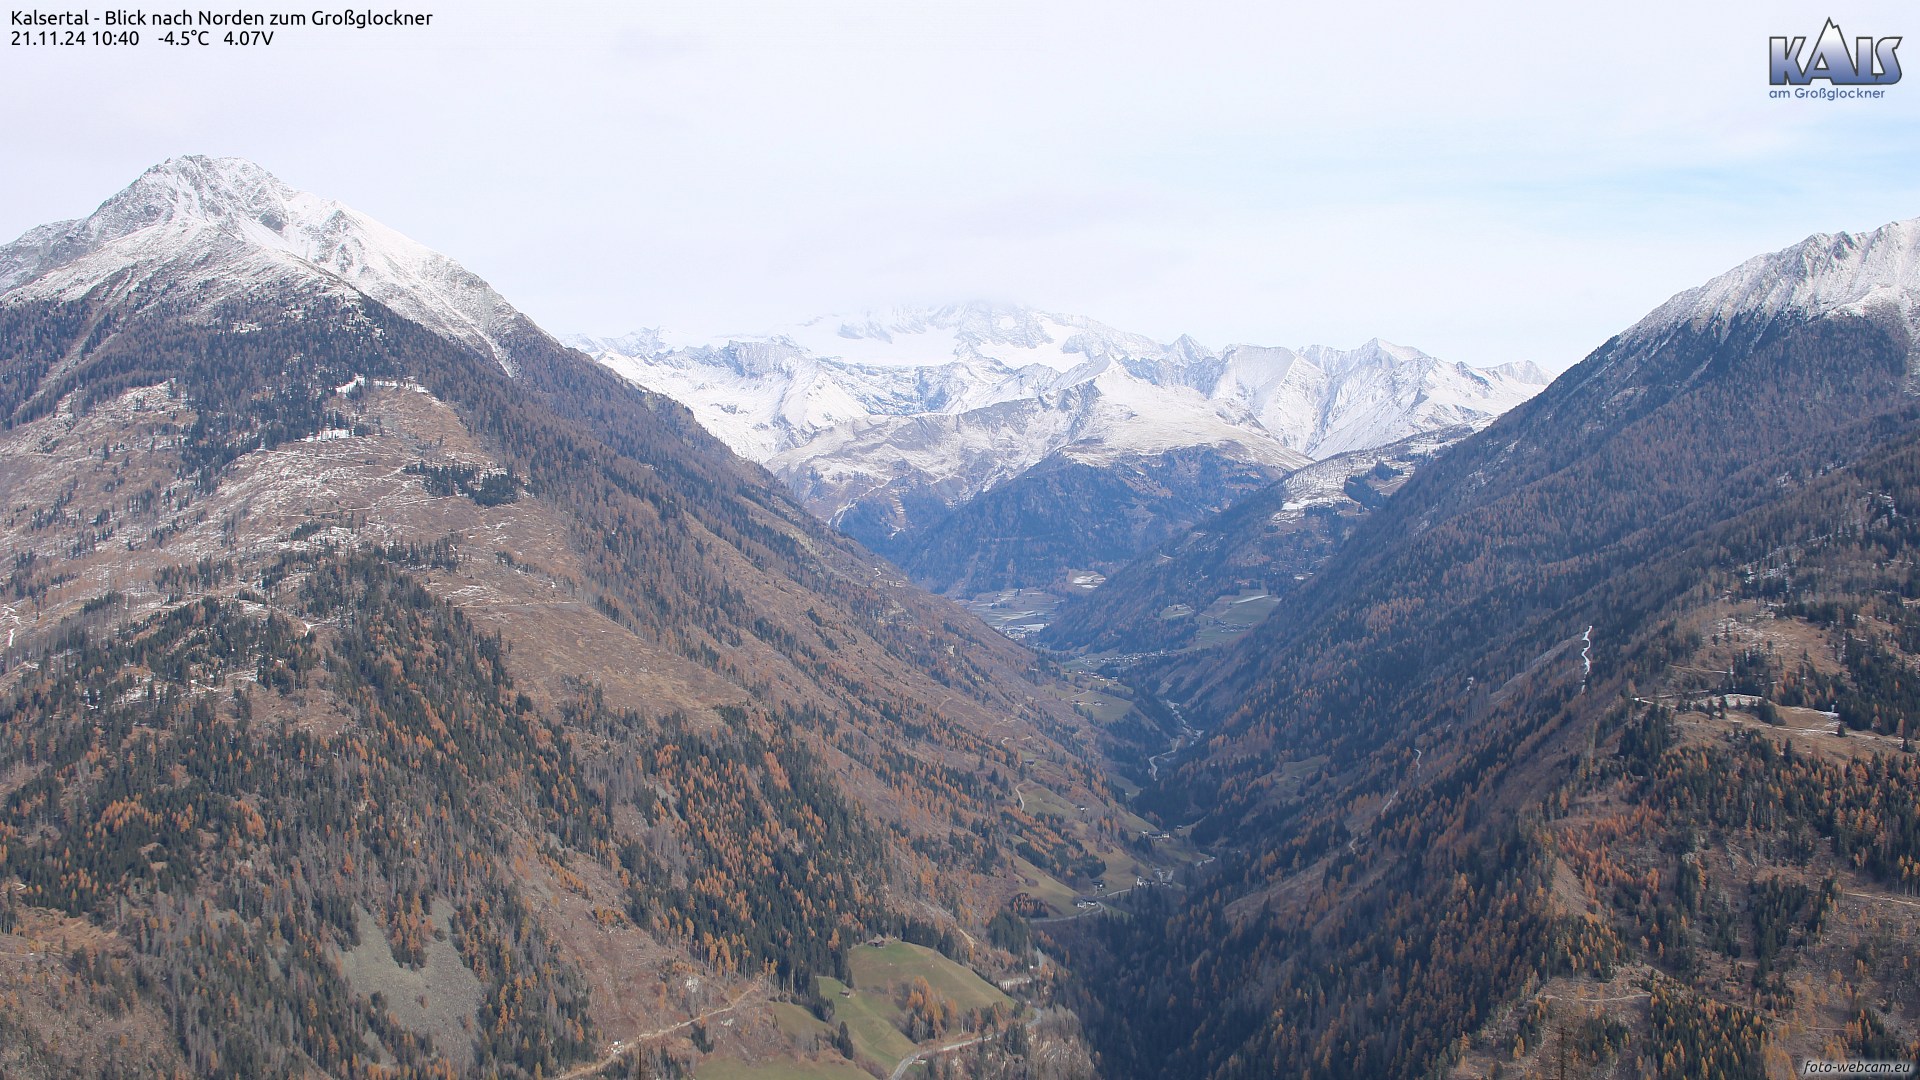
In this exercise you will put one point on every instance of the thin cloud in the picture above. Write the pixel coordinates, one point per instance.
(1494, 183)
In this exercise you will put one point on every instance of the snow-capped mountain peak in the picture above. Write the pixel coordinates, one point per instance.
(201, 189)
(955, 400)
(1827, 273)
(221, 225)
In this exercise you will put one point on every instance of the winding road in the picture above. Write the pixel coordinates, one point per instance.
(621, 1048)
(1187, 737)
(1878, 896)
(908, 1061)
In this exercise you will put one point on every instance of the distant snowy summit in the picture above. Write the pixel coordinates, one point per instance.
(202, 230)
(959, 399)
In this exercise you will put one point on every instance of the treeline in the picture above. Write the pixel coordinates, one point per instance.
(250, 391)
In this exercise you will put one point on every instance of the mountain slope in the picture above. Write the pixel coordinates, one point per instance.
(1484, 763)
(1209, 583)
(1070, 513)
(389, 691)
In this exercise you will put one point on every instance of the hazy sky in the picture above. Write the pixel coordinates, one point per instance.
(1489, 183)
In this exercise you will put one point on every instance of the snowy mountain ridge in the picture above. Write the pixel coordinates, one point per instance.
(1827, 273)
(223, 226)
(955, 400)
(1872, 274)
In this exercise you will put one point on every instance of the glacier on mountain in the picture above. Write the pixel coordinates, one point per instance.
(957, 400)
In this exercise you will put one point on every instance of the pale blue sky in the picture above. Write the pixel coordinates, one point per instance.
(1487, 182)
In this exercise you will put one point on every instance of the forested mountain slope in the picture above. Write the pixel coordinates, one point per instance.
(1231, 568)
(1558, 723)
(1070, 513)
(387, 693)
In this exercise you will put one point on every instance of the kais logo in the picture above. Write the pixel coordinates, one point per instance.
(1870, 62)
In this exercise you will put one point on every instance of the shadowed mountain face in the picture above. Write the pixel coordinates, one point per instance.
(1211, 583)
(1067, 514)
(385, 687)
(1535, 732)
